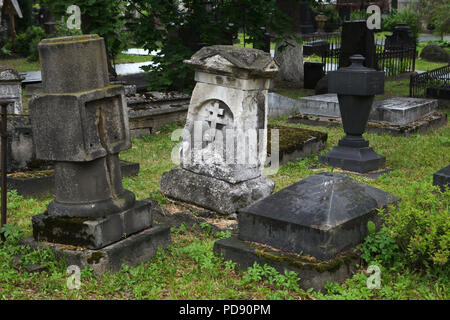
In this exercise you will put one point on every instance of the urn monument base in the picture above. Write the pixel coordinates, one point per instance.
(354, 154)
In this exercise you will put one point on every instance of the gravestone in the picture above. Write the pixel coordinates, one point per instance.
(307, 18)
(401, 38)
(10, 87)
(313, 73)
(80, 123)
(441, 178)
(356, 38)
(224, 143)
(290, 62)
(309, 227)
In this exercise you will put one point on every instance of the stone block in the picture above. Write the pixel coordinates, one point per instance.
(441, 178)
(296, 143)
(214, 194)
(313, 273)
(322, 215)
(10, 88)
(93, 233)
(137, 248)
(76, 124)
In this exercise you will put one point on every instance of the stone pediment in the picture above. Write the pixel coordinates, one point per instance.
(9, 74)
(322, 201)
(231, 59)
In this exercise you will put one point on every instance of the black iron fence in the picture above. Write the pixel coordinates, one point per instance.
(395, 62)
(437, 79)
(392, 62)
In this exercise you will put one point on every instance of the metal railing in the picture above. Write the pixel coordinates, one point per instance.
(437, 78)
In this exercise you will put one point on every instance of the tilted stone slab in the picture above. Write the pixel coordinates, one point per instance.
(321, 215)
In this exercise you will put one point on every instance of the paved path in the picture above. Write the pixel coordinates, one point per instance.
(121, 69)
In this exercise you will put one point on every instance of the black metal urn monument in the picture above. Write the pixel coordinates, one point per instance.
(356, 87)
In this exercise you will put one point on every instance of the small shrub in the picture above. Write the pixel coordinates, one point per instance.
(405, 15)
(420, 227)
(26, 42)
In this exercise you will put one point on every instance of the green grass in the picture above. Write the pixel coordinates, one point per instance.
(21, 64)
(189, 270)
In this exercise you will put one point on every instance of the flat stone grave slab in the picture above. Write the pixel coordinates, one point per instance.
(441, 178)
(397, 110)
(313, 273)
(151, 111)
(131, 251)
(321, 215)
(430, 122)
(93, 233)
(40, 183)
(296, 143)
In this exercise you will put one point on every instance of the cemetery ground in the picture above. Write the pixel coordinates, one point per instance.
(412, 249)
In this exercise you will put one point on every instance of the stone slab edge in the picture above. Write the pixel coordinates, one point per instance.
(430, 122)
(45, 186)
(131, 251)
(312, 275)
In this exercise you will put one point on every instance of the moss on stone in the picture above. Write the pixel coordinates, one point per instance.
(292, 139)
(95, 257)
(65, 230)
(32, 174)
(303, 261)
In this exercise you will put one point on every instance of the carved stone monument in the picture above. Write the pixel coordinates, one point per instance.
(224, 142)
(10, 87)
(80, 122)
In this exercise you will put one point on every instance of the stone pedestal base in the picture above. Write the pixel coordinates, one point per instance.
(362, 159)
(93, 233)
(441, 178)
(214, 194)
(313, 273)
(131, 251)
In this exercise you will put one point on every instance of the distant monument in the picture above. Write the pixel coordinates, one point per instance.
(357, 39)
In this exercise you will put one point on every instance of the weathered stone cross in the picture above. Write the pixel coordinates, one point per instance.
(214, 119)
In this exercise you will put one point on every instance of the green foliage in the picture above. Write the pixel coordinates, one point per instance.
(420, 227)
(283, 283)
(407, 15)
(440, 43)
(178, 33)
(330, 12)
(26, 42)
(381, 248)
(11, 232)
(435, 13)
(102, 17)
(359, 15)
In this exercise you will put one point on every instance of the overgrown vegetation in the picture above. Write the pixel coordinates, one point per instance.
(411, 250)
